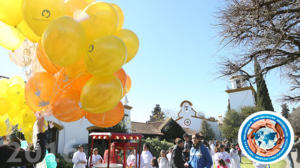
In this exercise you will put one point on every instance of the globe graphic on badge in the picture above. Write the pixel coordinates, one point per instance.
(266, 138)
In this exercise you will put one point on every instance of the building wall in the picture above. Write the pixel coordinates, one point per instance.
(187, 119)
(241, 99)
(72, 134)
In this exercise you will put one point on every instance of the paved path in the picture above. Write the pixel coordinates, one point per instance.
(296, 164)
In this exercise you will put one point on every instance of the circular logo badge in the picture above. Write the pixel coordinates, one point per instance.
(266, 137)
(187, 122)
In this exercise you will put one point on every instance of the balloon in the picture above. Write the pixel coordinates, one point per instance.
(50, 160)
(39, 91)
(101, 94)
(11, 11)
(107, 119)
(122, 76)
(73, 6)
(11, 38)
(120, 16)
(3, 125)
(64, 41)
(67, 106)
(128, 84)
(131, 41)
(76, 69)
(65, 82)
(106, 55)
(39, 13)
(99, 19)
(24, 54)
(28, 32)
(44, 60)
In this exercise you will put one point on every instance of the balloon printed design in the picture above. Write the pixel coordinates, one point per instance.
(72, 52)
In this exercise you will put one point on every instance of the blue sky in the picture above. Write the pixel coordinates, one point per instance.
(177, 60)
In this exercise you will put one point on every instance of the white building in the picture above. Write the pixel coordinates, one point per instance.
(190, 118)
(240, 94)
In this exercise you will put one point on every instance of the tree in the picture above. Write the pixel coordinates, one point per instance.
(294, 119)
(157, 114)
(231, 124)
(207, 131)
(269, 32)
(285, 110)
(156, 145)
(233, 120)
(262, 94)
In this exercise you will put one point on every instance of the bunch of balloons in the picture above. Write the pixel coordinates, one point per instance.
(13, 108)
(76, 52)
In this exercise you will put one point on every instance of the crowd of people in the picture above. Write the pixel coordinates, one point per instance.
(186, 153)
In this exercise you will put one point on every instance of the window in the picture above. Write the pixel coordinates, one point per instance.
(238, 83)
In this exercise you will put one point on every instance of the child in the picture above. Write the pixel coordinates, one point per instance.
(221, 164)
(154, 163)
(163, 160)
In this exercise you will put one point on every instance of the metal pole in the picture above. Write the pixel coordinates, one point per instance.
(136, 159)
(124, 161)
(92, 146)
(140, 153)
(108, 160)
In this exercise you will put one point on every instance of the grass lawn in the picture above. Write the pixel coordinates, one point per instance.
(246, 163)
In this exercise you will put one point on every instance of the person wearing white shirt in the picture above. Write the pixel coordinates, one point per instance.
(235, 158)
(259, 165)
(146, 157)
(79, 158)
(169, 155)
(221, 154)
(96, 159)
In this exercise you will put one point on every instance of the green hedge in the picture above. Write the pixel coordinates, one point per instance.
(157, 145)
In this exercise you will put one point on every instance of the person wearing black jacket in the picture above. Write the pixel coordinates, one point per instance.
(187, 147)
(177, 160)
(12, 155)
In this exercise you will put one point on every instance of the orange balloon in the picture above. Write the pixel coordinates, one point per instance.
(107, 119)
(40, 91)
(128, 84)
(44, 60)
(65, 82)
(121, 74)
(67, 106)
(76, 69)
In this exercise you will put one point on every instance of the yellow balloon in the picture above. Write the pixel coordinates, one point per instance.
(11, 12)
(71, 7)
(39, 13)
(28, 32)
(11, 38)
(3, 126)
(64, 41)
(4, 84)
(131, 41)
(99, 19)
(101, 94)
(120, 16)
(106, 55)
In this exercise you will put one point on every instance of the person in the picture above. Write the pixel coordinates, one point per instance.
(114, 157)
(297, 146)
(222, 154)
(221, 164)
(187, 147)
(177, 160)
(12, 155)
(131, 159)
(227, 146)
(79, 158)
(163, 160)
(146, 157)
(235, 159)
(199, 154)
(154, 163)
(96, 159)
(169, 155)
